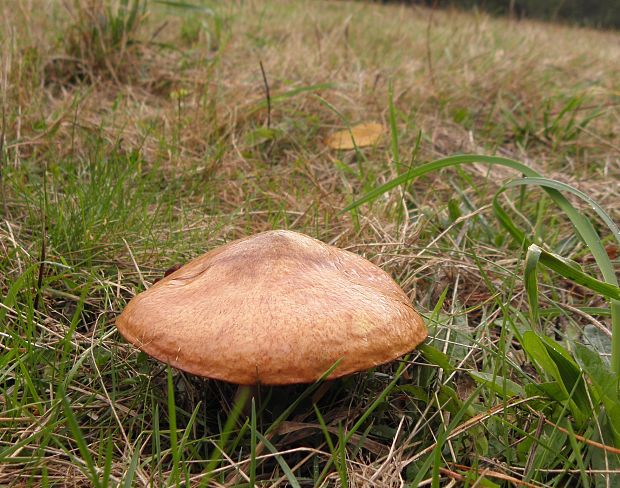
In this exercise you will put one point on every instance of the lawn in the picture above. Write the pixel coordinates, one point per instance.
(138, 135)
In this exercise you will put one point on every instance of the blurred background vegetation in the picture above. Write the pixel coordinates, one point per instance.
(596, 13)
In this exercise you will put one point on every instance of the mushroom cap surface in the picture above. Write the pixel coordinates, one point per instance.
(274, 308)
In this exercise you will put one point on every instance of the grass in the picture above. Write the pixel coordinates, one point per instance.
(134, 136)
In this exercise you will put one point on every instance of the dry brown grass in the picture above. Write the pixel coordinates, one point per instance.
(183, 93)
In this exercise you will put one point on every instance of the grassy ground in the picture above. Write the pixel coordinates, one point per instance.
(134, 140)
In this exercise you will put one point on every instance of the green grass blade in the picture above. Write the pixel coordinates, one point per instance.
(185, 6)
(436, 165)
(531, 282)
(78, 436)
(586, 231)
(281, 97)
(563, 187)
(379, 400)
(253, 436)
(307, 392)
(436, 357)
(561, 266)
(326, 434)
(431, 460)
(172, 422)
(393, 128)
(292, 479)
(107, 465)
(502, 386)
(128, 479)
(224, 435)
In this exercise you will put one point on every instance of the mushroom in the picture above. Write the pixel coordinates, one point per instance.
(274, 308)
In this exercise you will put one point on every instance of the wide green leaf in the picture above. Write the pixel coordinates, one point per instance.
(553, 367)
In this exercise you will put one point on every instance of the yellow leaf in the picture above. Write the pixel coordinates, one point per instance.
(363, 134)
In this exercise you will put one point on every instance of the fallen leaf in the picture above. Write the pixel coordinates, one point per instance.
(363, 134)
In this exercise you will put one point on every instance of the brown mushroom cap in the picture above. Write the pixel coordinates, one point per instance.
(275, 308)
